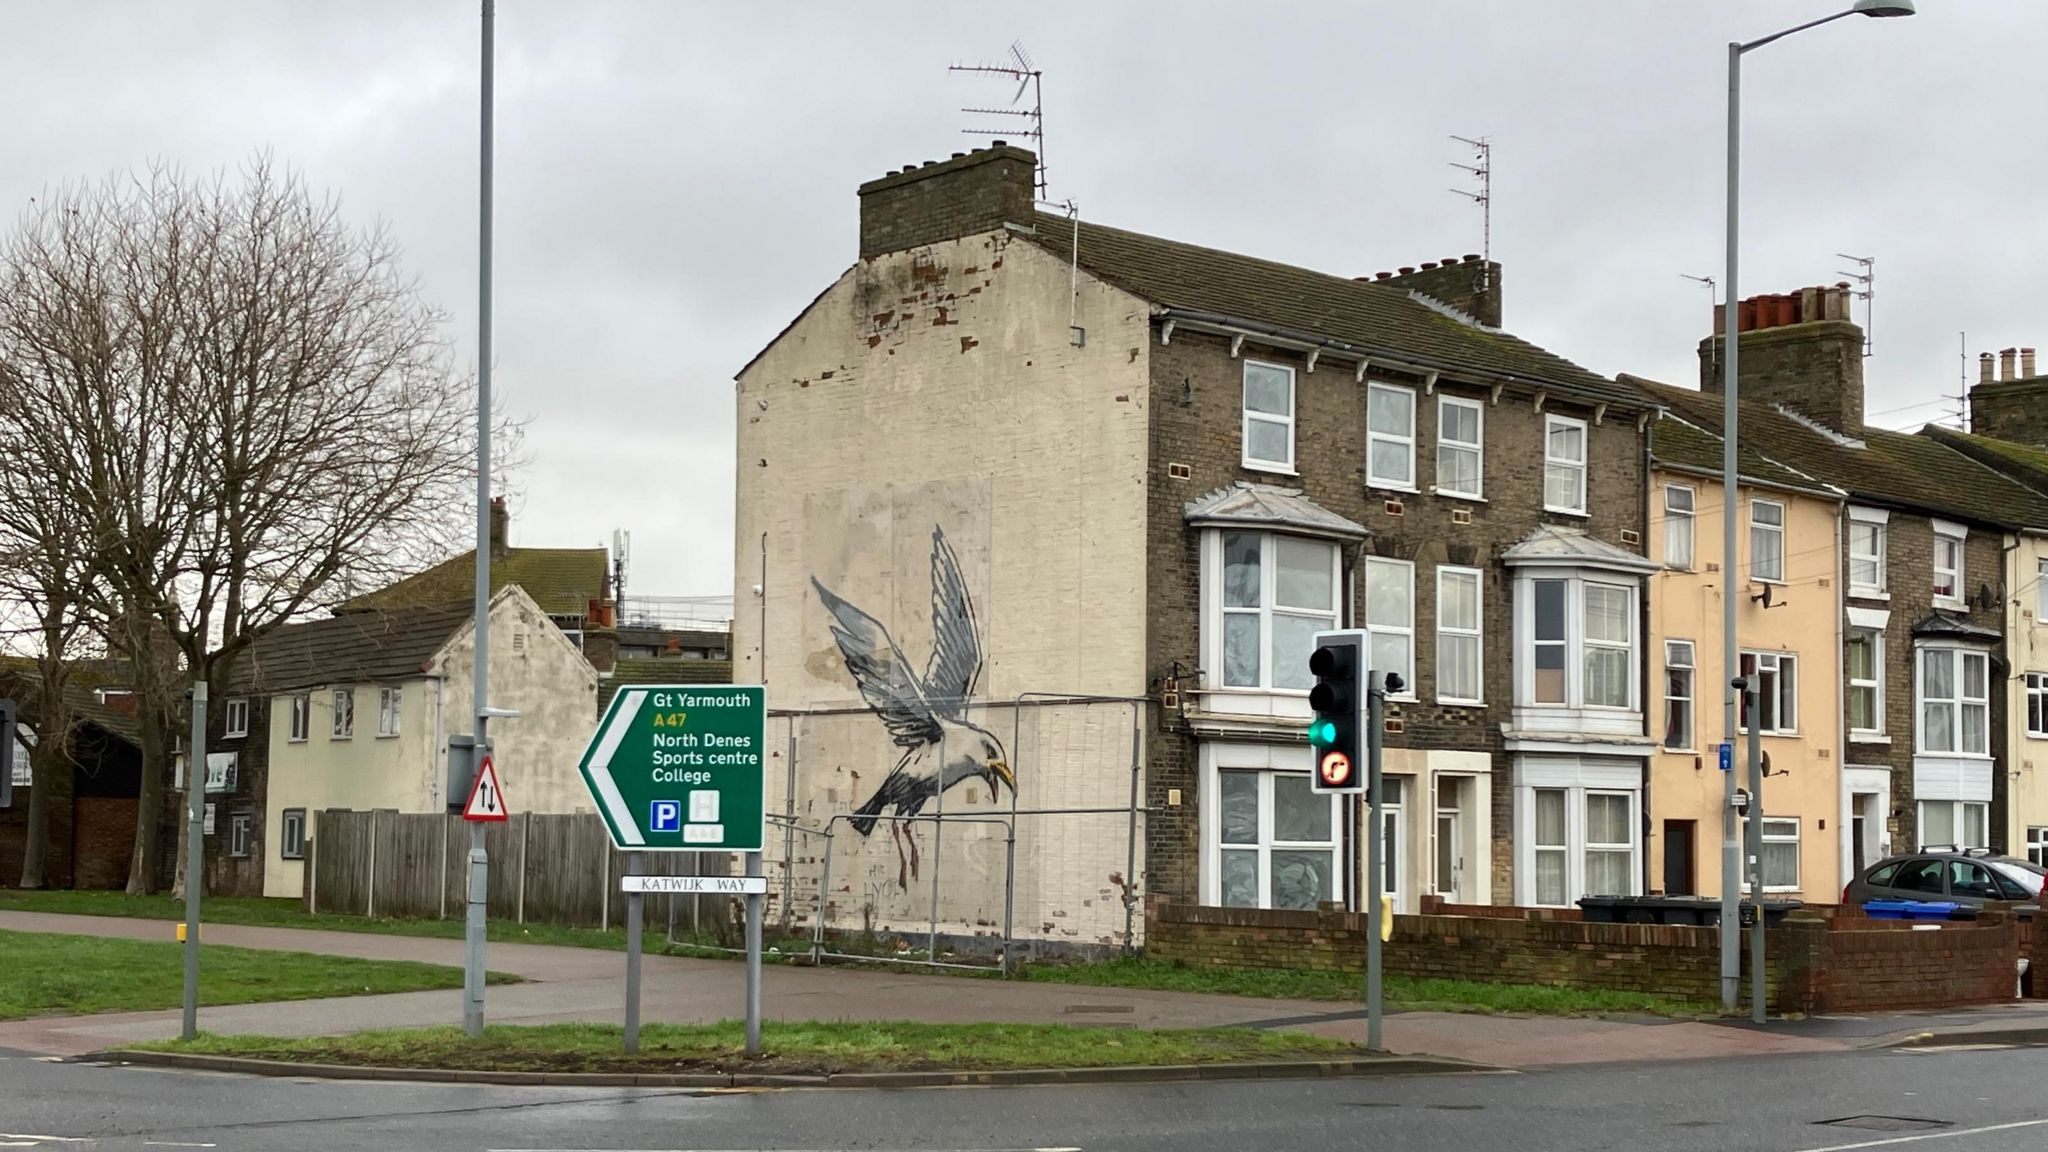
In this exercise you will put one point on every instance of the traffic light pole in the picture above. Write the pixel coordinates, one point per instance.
(1375, 706)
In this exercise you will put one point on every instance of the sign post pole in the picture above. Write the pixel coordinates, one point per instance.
(195, 853)
(1375, 725)
(632, 957)
(754, 901)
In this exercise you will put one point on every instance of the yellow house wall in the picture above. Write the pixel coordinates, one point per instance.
(1804, 621)
(2026, 626)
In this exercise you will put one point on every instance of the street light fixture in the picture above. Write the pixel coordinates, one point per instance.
(1731, 957)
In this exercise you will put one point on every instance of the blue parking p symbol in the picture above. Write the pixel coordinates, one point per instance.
(665, 816)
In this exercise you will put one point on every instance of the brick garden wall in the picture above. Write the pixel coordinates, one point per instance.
(1815, 964)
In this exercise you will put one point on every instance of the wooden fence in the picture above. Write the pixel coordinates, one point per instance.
(550, 869)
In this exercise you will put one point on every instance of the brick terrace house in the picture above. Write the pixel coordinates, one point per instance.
(1922, 577)
(1158, 469)
(92, 814)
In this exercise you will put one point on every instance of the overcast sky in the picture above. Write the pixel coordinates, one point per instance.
(675, 180)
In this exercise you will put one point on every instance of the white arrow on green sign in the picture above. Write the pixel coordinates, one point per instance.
(681, 768)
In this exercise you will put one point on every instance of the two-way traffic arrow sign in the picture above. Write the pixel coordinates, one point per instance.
(681, 768)
(486, 800)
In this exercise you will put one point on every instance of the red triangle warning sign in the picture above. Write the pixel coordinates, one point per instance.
(486, 799)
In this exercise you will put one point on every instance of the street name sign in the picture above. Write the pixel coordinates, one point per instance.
(695, 885)
(486, 800)
(682, 768)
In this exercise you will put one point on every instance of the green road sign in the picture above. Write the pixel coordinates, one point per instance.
(680, 768)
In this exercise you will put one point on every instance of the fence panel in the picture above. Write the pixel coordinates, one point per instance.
(341, 861)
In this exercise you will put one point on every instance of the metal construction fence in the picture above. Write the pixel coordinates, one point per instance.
(982, 870)
(551, 869)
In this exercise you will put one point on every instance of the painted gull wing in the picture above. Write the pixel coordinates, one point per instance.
(956, 646)
(881, 672)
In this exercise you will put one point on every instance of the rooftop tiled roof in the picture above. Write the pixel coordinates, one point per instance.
(563, 581)
(1551, 544)
(1373, 317)
(2022, 462)
(1679, 443)
(354, 647)
(1875, 465)
(628, 672)
(81, 693)
(1255, 505)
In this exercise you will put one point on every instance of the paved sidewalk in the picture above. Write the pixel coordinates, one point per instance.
(582, 984)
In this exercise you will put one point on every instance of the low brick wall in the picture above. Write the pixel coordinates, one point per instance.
(1814, 963)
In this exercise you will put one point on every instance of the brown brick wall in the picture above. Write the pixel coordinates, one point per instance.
(2015, 410)
(977, 192)
(1815, 369)
(1815, 964)
(1469, 284)
(1197, 397)
(103, 841)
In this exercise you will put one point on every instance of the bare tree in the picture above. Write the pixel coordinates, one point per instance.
(248, 405)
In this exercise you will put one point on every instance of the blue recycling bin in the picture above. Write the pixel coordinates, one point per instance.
(1886, 909)
(1916, 910)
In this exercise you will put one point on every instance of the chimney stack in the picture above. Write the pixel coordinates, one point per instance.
(501, 525)
(1798, 349)
(947, 200)
(2014, 404)
(2026, 363)
(2005, 362)
(1984, 369)
(1471, 285)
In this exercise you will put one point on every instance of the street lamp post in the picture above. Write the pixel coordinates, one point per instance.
(1731, 954)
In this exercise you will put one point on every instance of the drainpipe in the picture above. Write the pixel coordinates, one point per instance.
(1844, 816)
(1645, 677)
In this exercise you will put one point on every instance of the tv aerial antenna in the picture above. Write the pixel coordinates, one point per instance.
(1030, 78)
(1713, 286)
(1866, 277)
(1482, 152)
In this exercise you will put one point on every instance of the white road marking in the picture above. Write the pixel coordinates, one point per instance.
(1926, 1136)
(754, 1150)
(175, 1144)
(23, 1140)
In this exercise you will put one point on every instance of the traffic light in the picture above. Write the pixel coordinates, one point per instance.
(1335, 729)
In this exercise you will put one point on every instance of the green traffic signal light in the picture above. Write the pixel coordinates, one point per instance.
(1323, 733)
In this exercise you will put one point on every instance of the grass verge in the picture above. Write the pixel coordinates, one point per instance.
(265, 912)
(793, 1047)
(1399, 991)
(45, 974)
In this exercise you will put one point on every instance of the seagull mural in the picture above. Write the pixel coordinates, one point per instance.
(926, 716)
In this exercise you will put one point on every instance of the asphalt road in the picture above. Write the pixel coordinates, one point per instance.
(1981, 1101)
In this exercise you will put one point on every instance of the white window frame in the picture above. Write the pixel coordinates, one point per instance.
(1759, 529)
(1875, 685)
(1404, 572)
(1959, 816)
(2037, 846)
(1577, 468)
(1475, 635)
(291, 835)
(241, 833)
(2034, 691)
(390, 703)
(1774, 833)
(1680, 656)
(1537, 849)
(2041, 591)
(1248, 414)
(1784, 690)
(1630, 647)
(1876, 521)
(342, 724)
(1945, 534)
(1374, 389)
(1575, 641)
(1269, 606)
(1958, 704)
(1267, 844)
(1680, 521)
(1476, 447)
(235, 719)
(1589, 846)
(302, 718)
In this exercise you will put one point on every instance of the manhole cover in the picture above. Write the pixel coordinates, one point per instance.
(1887, 1123)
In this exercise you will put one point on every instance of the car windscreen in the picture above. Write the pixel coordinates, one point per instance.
(2025, 876)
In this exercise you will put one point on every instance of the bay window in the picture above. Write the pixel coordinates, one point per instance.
(1955, 701)
(1277, 843)
(1766, 540)
(1268, 430)
(1550, 644)
(1460, 453)
(1578, 828)
(1389, 436)
(1458, 634)
(1579, 642)
(1774, 687)
(1564, 465)
(1610, 646)
(1552, 845)
(1390, 617)
(1954, 822)
(1277, 593)
(1610, 844)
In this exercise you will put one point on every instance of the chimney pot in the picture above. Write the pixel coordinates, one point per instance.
(1383, 276)
(928, 163)
(1448, 261)
(1471, 257)
(1408, 270)
(958, 155)
(2005, 362)
(1984, 369)
(998, 143)
(1428, 265)
(2026, 363)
